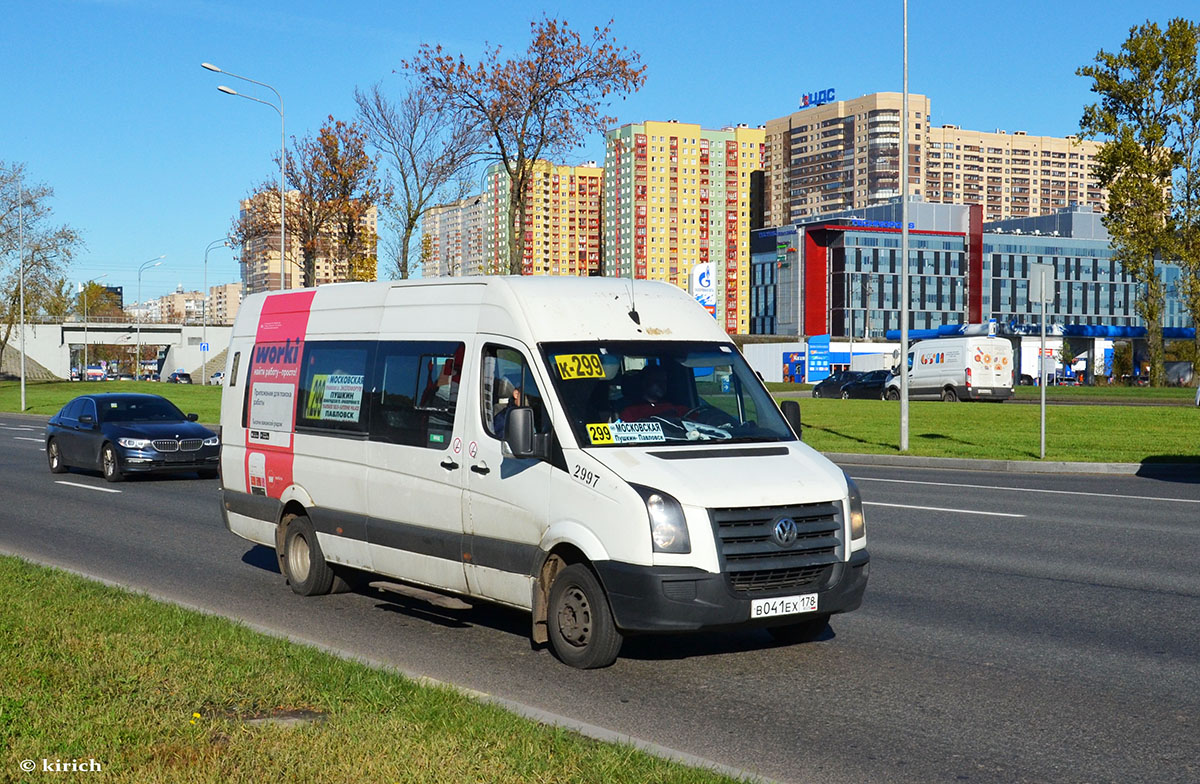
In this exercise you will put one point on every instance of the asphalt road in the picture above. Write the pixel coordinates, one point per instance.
(1016, 627)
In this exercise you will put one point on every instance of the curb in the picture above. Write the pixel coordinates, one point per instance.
(1016, 466)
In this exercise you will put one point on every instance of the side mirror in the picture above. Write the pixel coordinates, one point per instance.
(193, 417)
(87, 420)
(791, 412)
(520, 438)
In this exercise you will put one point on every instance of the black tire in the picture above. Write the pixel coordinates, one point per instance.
(845, 395)
(303, 562)
(949, 395)
(54, 457)
(583, 633)
(892, 394)
(109, 465)
(805, 631)
(816, 392)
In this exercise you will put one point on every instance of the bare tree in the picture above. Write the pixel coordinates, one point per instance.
(427, 144)
(46, 249)
(535, 105)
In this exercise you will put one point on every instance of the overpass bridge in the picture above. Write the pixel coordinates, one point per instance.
(59, 347)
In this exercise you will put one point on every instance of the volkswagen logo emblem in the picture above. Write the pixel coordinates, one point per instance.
(785, 532)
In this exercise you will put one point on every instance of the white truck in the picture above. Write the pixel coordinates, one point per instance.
(953, 369)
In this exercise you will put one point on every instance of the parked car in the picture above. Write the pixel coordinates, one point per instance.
(868, 386)
(217, 378)
(1025, 380)
(120, 433)
(832, 386)
(179, 378)
(125, 377)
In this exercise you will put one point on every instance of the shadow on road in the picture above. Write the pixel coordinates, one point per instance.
(1171, 468)
(262, 558)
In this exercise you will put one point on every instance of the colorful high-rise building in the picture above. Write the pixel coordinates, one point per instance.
(677, 208)
(562, 220)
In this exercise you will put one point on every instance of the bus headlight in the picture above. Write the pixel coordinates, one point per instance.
(668, 528)
(858, 524)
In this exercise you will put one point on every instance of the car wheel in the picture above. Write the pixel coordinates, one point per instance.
(109, 464)
(54, 457)
(949, 395)
(805, 631)
(583, 633)
(303, 562)
(893, 394)
(845, 395)
(816, 392)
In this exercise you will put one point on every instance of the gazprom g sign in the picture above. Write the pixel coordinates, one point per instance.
(704, 286)
(816, 99)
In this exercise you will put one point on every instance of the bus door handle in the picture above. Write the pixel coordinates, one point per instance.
(481, 468)
(449, 464)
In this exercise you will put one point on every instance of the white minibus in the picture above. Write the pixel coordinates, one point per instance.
(594, 451)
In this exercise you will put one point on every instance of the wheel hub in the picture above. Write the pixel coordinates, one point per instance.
(575, 618)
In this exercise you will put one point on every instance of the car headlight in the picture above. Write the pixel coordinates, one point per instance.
(214, 441)
(134, 443)
(668, 528)
(858, 524)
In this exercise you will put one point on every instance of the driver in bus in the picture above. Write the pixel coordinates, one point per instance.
(651, 382)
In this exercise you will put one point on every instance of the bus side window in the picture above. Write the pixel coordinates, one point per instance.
(237, 358)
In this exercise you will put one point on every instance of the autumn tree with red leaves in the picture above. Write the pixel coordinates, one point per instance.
(537, 105)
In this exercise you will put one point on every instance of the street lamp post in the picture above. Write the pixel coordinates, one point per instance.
(282, 149)
(21, 274)
(904, 248)
(204, 335)
(137, 361)
(83, 375)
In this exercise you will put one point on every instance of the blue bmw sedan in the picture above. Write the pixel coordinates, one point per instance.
(120, 434)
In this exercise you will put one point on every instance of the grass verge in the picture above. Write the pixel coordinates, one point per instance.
(153, 693)
(1003, 431)
(49, 396)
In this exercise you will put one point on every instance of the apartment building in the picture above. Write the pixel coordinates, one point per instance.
(677, 205)
(454, 238)
(562, 220)
(845, 155)
(260, 257)
(223, 302)
(1013, 175)
(840, 155)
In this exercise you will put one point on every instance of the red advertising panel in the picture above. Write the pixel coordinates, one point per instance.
(975, 264)
(273, 384)
(816, 291)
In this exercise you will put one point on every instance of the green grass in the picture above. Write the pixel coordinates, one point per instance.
(92, 672)
(49, 396)
(1115, 393)
(1006, 431)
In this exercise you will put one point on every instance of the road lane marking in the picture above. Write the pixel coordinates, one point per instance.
(16, 427)
(1029, 490)
(26, 438)
(939, 509)
(87, 487)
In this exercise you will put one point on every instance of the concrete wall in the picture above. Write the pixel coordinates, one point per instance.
(53, 345)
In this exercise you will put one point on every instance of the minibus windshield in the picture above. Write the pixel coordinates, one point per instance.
(632, 392)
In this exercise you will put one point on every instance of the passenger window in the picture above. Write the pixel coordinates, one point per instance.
(72, 410)
(331, 386)
(237, 358)
(415, 393)
(506, 383)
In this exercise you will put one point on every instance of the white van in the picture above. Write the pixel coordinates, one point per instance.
(594, 451)
(952, 369)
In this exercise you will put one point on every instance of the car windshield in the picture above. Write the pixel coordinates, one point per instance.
(621, 393)
(149, 409)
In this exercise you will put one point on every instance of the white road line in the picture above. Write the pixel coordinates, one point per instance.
(1029, 490)
(87, 487)
(26, 438)
(15, 427)
(939, 509)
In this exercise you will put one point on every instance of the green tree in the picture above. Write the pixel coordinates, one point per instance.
(540, 104)
(29, 238)
(1137, 86)
(97, 300)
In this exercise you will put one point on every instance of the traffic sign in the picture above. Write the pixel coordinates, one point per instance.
(204, 347)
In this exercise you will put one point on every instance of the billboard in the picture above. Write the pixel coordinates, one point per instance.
(704, 286)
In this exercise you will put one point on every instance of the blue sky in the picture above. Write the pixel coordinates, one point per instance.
(106, 102)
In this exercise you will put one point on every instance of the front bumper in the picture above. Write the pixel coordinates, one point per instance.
(679, 599)
(148, 461)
